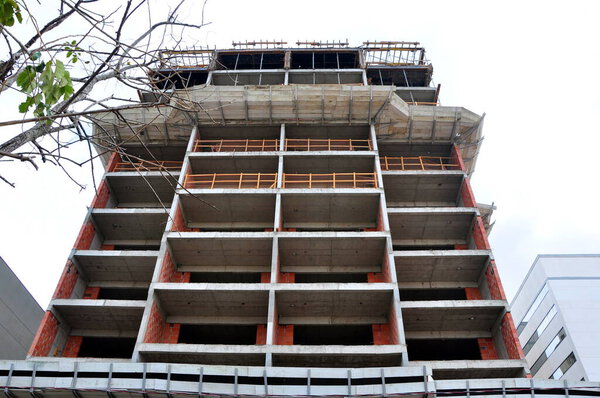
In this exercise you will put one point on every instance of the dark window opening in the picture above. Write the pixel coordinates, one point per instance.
(137, 248)
(442, 349)
(241, 61)
(107, 347)
(425, 247)
(400, 77)
(110, 293)
(225, 277)
(333, 334)
(169, 79)
(217, 334)
(324, 60)
(432, 294)
(331, 278)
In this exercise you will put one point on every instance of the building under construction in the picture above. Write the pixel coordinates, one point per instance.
(283, 221)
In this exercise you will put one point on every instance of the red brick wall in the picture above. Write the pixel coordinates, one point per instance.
(67, 282)
(487, 349)
(112, 162)
(102, 196)
(511, 338)
(286, 277)
(456, 157)
(45, 336)
(466, 194)
(393, 326)
(91, 293)
(461, 247)
(479, 235)
(261, 334)
(494, 283)
(169, 273)
(159, 331)
(265, 277)
(381, 334)
(376, 277)
(85, 237)
(285, 335)
(472, 293)
(72, 346)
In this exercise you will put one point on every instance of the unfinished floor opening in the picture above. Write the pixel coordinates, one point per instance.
(218, 334)
(333, 335)
(433, 294)
(225, 277)
(331, 278)
(123, 293)
(442, 349)
(107, 347)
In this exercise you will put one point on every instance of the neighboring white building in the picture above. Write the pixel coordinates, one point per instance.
(20, 315)
(557, 313)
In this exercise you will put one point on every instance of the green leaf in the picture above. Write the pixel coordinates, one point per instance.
(35, 56)
(40, 67)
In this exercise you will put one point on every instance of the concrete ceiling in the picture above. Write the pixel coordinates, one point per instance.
(439, 225)
(116, 265)
(100, 314)
(422, 188)
(440, 266)
(328, 253)
(147, 188)
(220, 251)
(130, 224)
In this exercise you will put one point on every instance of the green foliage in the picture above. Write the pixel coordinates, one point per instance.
(9, 10)
(44, 84)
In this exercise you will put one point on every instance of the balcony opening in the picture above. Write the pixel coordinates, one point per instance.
(246, 61)
(424, 247)
(127, 293)
(432, 294)
(169, 79)
(333, 335)
(331, 278)
(137, 247)
(325, 60)
(225, 277)
(442, 349)
(217, 334)
(107, 347)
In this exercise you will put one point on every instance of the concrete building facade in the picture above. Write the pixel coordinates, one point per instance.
(557, 310)
(284, 220)
(20, 315)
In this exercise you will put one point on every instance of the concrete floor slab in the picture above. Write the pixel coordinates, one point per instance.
(422, 188)
(451, 315)
(330, 211)
(198, 251)
(205, 303)
(327, 162)
(130, 224)
(475, 369)
(233, 162)
(236, 355)
(433, 266)
(142, 189)
(100, 314)
(117, 265)
(228, 210)
(354, 252)
(438, 225)
(334, 306)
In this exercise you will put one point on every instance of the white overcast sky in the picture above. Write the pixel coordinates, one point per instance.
(532, 66)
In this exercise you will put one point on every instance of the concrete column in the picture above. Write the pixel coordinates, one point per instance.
(163, 249)
(395, 306)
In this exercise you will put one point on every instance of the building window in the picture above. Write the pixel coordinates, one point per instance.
(549, 350)
(564, 367)
(534, 306)
(540, 329)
